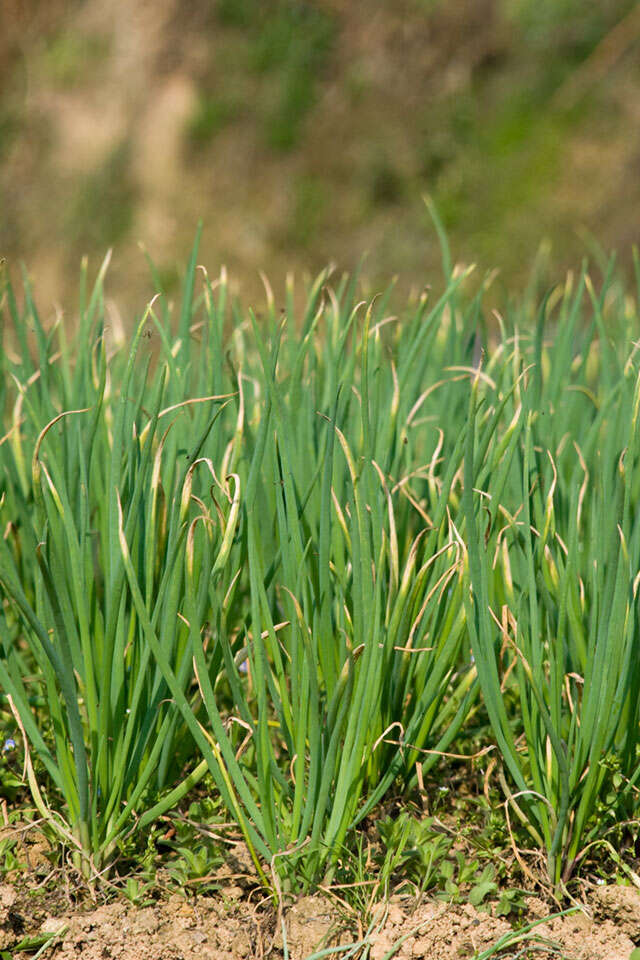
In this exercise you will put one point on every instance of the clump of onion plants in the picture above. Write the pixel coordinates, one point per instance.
(299, 551)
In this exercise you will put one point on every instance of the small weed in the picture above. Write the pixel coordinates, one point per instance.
(291, 44)
(415, 849)
(101, 210)
(10, 123)
(210, 116)
(386, 183)
(69, 55)
(308, 211)
(11, 761)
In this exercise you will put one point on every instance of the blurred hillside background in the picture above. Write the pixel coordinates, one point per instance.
(307, 131)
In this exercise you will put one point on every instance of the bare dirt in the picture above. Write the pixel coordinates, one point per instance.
(212, 928)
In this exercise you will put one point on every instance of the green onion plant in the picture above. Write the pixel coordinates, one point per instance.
(299, 551)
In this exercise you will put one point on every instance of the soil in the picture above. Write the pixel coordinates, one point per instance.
(212, 928)
(97, 99)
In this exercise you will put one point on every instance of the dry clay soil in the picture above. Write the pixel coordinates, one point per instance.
(207, 928)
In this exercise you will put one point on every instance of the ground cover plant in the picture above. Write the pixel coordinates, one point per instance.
(302, 554)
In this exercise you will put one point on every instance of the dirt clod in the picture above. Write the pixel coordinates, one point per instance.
(175, 930)
(583, 939)
(311, 924)
(435, 930)
(213, 928)
(8, 898)
(620, 904)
